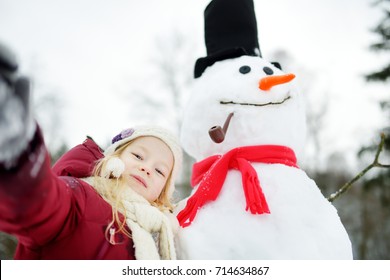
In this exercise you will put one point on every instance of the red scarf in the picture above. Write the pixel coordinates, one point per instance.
(211, 173)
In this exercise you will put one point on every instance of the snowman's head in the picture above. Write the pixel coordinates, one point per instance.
(267, 108)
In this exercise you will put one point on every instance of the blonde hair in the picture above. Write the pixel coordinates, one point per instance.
(112, 188)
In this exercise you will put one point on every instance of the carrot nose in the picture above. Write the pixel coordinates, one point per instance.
(268, 82)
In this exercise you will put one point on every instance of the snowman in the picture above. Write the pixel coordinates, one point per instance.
(245, 126)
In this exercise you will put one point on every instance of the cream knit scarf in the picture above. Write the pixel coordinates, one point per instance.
(146, 221)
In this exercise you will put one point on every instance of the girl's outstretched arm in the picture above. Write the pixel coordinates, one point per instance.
(35, 205)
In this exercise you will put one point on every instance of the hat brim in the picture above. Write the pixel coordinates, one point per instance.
(204, 62)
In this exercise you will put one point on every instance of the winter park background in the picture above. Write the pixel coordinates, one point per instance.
(101, 66)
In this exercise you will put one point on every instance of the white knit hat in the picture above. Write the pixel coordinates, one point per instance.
(126, 135)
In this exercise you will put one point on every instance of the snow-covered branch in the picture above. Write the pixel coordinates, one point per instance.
(375, 163)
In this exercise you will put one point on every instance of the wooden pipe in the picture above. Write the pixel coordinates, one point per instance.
(217, 133)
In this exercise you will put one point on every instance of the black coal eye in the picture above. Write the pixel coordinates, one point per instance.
(277, 65)
(268, 71)
(244, 69)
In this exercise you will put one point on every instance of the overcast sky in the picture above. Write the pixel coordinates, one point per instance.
(91, 52)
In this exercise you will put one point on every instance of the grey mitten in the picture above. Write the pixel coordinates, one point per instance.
(17, 126)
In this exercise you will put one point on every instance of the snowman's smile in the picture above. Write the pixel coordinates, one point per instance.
(255, 104)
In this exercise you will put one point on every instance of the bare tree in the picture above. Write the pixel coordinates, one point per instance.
(175, 64)
(48, 106)
(171, 67)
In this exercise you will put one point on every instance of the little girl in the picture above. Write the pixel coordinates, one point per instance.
(91, 205)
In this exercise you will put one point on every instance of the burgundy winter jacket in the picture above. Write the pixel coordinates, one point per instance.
(53, 214)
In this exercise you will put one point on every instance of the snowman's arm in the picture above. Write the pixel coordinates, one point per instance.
(375, 163)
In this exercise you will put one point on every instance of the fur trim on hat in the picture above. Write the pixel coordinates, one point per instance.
(114, 167)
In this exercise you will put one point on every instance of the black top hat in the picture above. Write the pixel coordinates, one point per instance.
(230, 31)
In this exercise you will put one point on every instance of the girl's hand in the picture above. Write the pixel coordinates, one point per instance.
(17, 127)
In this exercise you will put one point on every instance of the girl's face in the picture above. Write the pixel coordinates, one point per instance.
(148, 165)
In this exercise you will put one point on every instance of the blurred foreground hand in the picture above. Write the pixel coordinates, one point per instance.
(17, 126)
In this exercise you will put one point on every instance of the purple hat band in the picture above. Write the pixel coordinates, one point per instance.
(124, 134)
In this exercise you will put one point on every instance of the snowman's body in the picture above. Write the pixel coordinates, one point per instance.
(302, 223)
